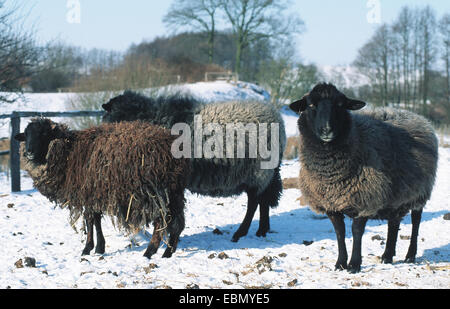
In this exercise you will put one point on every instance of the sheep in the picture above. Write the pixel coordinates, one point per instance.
(211, 176)
(374, 164)
(125, 171)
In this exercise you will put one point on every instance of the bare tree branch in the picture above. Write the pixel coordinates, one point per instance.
(18, 54)
(255, 19)
(194, 14)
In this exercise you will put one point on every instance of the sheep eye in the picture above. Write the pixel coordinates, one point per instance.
(312, 106)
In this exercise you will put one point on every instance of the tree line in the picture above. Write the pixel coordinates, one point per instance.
(407, 63)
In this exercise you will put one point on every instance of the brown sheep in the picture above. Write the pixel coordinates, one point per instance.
(125, 171)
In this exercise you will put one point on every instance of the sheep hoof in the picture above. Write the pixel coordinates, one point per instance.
(235, 238)
(353, 269)
(87, 250)
(167, 254)
(148, 255)
(150, 252)
(238, 235)
(386, 259)
(100, 250)
(410, 259)
(262, 233)
(340, 266)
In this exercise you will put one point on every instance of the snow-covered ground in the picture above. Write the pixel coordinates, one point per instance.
(300, 253)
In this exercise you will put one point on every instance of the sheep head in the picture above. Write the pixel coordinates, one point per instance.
(37, 137)
(326, 111)
(129, 106)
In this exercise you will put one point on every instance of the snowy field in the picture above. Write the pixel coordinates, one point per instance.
(299, 253)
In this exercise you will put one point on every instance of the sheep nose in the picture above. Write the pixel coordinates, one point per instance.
(326, 134)
(326, 131)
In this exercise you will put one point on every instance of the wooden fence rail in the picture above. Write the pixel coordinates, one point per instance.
(15, 129)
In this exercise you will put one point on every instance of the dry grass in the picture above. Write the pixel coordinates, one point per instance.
(290, 183)
(4, 160)
(292, 150)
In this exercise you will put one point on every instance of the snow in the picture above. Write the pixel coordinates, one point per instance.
(225, 91)
(34, 102)
(31, 226)
(344, 76)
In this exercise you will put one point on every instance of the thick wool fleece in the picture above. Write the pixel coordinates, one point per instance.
(229, 176)
(122, 170)
(385, 167)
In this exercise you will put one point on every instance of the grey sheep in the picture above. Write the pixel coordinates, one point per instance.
(375, 164)
(223, 176)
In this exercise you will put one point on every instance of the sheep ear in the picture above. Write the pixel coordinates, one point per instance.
(300, 105)
(20, 137)
(107, 107)
(57, 133)
(354, 105)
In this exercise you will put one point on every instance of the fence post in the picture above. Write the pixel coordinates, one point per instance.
(14, 153)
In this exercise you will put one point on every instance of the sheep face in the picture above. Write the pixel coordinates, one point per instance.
(326, 112)
(129, 106)
(37, 138)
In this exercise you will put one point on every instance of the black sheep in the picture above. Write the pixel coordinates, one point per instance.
(375, 164)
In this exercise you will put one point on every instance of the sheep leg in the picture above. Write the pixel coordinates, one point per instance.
(358, 227)
(90, 235)
(391, 241)
(172, 244)
(264, 224)
(268, 198)
(416, 217)
(155, 241)
(337, 219)
(175, 229)
(251, 209)
(100, 248)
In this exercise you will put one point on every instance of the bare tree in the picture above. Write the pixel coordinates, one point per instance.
(195, 14)
(427, 37)
(444, 29)
(374, 61)
(403, 32)
(254, 19)
(18, 54)
(284, 77)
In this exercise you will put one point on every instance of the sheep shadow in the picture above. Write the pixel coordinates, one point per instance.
(296, 227)
(436, 255)
(299, 226)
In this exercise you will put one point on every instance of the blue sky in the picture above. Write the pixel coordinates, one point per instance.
(334, 29)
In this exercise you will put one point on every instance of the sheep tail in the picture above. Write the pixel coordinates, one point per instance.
(271, 195)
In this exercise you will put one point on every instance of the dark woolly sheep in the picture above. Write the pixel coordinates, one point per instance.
(216, 177)
(125, 171)
(375, 164)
